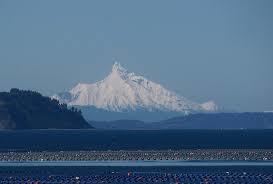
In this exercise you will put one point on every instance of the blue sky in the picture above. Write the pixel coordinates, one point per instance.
(203, 50)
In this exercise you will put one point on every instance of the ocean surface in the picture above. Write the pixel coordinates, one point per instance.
(125, 174)
(56, 140)
(139, 163)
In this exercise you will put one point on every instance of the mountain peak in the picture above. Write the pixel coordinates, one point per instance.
(124, 91)
(118, 68)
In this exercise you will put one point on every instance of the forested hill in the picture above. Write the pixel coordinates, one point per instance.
(21, 109)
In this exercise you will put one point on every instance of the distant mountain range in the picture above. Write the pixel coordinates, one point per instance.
(257, 120)
(125, 95)
(21, 109)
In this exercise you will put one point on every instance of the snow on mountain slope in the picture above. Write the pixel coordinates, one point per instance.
(209, 106)
(124, 91)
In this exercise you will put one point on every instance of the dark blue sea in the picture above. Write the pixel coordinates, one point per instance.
(125, 175)
(124, 172)
(134, 139)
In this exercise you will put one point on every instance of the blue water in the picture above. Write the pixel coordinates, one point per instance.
(158, 163)
(144, 171)
(137, 174)
(134, 139)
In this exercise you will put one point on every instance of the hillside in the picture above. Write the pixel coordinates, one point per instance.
(21, 109)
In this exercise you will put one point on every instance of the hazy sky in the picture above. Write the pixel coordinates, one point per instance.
(203, 50)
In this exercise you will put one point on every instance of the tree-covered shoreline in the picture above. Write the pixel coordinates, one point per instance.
(25, 109)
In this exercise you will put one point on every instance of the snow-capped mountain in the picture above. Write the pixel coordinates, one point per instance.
(122, 91)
